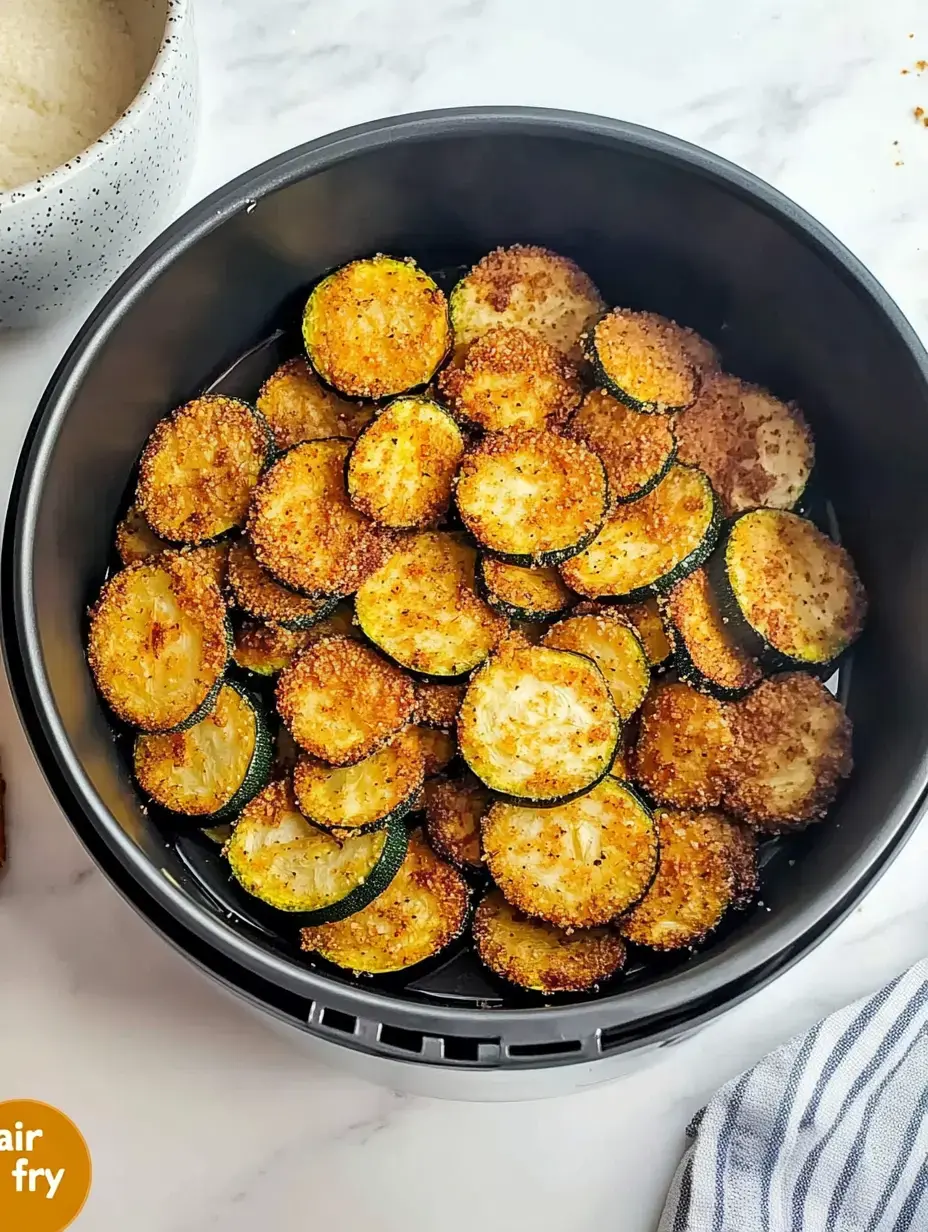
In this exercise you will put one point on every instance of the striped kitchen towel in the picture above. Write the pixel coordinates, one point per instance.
(827, 1134)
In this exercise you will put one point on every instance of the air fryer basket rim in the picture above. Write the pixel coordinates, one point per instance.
(667, 998)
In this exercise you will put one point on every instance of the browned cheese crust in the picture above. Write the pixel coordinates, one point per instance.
(684, 747)
(633, 447)
(298, 407)
(643, 354)
(257, 593)
(437, 705)
(453, 810)
(694, 613)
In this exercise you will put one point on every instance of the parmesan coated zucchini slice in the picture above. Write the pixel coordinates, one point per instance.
(200, 467)
(684, 747)
(422, 911)
(792, 593)
(531, 498)
(615, 648)
(437, 705)
(266, 649)
(646, 618)
(376, 327)
(706, 654)
(278, 856)
(510, 378)
(257, 594)
(701, 353)
(538, 725)
(303, 528)
(214, 559)
(522, 593)
(650, 544)
(577, 865)
(640, 358)
(541, 957)
(341, 700)
(530, 288)
(636, 452)
(298, 407)
(707, 865)
(421, 607)
(215, 767)
(792, 749)
(402, 466)
(453, 809)
(383, 787)
(755, 449)
(135, 539)
(158, 643)
(438, 748)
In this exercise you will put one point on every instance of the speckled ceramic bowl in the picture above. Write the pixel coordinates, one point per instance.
(82, 223)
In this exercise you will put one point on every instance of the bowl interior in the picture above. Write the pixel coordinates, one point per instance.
(657, 226)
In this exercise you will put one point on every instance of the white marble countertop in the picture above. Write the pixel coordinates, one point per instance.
(197, 1115)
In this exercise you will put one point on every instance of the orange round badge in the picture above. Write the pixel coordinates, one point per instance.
(45, 1168)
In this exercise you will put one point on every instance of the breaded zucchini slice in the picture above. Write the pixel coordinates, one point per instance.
(538, 725)
(792, 749)
(279, 857)
(791, 593)
(684, 747)
(382, 787)
(650, 544)
(304, 530)
(421, 912)
(266, 649)
(298, 407)
(529, 288)
(258, 595)
(422, 609)
(707, 865)
(437, 704)
(402, 466)
(615, 648)
(215, 767)
(701, 353)
(453, 810)
(438, 748)
(578, 865)
(510, 378)
(706, 655)
(640, 358)
(135, 539)
(540, 956)
(200, 467)
(636, 452)
(646, 618)
(755, 449)
(376, 327)
(341, 700)
(158, 643)
(523, 593)
(531, 498)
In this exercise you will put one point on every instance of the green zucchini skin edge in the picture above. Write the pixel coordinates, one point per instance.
(690, 674)
(398, 813)
(556, 556)
(386, 868)
(652, 482)
(510, 609)
(601, 377)
(636, 794)
(209, 701)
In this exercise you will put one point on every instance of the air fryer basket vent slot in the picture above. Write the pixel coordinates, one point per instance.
(337, 1020)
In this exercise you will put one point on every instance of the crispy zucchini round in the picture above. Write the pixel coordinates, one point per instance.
(135, 539)
(341, 700)
(701, 353)
(530, 288)
(376, 327)
(438, 748)
(792, 749)
(646, 619)
(510, 378)
(648, 545)
(531, 498)
(298, 407)
(304, 530)
(614, 647)
(792, 593)
(214, 558)
(578, 865)
(279, 857)
(706, 654)
(523, 593)
(266, 649)
(684, 747)
(541, 957)
(453, 809)
(437, 704)
(640, 358)
(383, 787)
(755, 449)
(706, 862)
(422, 609)
(158, 643)
(257, 594)
(421, 912)
(402, 466)
(538, 725)
(636, 452)
(200, 467)
(215, 767)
